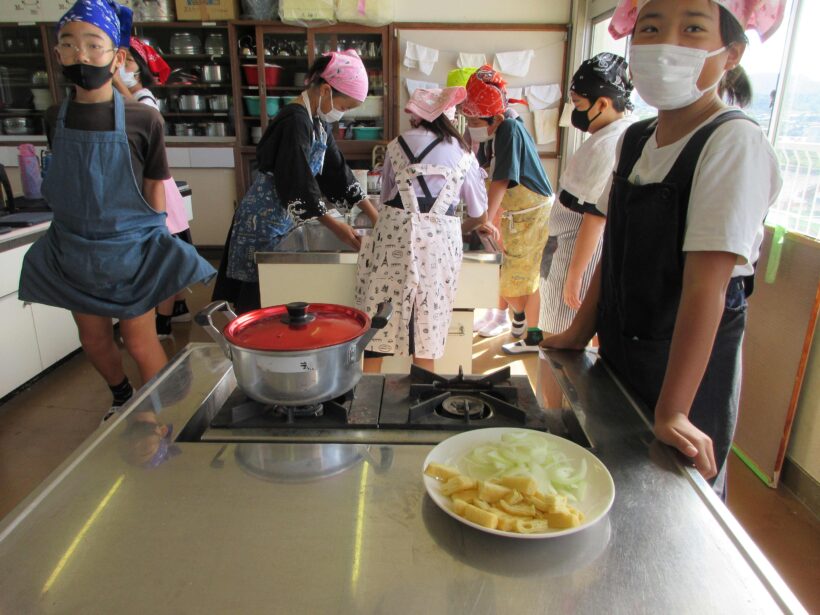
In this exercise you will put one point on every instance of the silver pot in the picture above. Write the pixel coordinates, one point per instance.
(18, 126)
(191, 102)
(184, 129)
(219, 102)
(162, 104)
(153, 10)
(185, 44)
(215, 129)
(213, 73)
(215, 44)
(318, 349)
(293, 463)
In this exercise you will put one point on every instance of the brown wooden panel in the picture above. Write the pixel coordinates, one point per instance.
(782, 318)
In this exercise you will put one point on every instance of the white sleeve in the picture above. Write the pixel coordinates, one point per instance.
(736, 179)
(474, 189)
(603, 200)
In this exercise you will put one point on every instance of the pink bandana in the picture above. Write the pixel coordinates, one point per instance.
(346, 74)
(429, 104)
(761, 15)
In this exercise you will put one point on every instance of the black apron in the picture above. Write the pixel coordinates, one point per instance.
(641, 284)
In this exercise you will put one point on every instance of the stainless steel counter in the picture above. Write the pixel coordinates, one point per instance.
(207, 532)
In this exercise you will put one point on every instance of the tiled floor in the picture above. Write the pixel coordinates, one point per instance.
(41, 425)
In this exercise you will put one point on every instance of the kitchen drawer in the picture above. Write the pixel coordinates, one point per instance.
(11, 262)
(56, 333)
(19, 354)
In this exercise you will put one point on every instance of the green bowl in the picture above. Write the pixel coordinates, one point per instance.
(367, 133)
(253, 107)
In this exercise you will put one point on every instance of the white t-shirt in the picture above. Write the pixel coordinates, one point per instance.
(145, 96)
(590, 167)
(736, 180)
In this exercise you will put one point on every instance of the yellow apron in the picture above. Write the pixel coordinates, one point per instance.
(524, 232)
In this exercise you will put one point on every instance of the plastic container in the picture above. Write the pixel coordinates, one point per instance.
(366, 133)
(253, 106)
(30, 175)
(272, 74)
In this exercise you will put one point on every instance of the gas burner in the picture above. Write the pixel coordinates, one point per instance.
(291, 412)
(464, 407)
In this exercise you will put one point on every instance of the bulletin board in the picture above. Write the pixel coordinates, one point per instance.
(548, 65)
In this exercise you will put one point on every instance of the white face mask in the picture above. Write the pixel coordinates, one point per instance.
(332, 116)
(666, 76)
(479, 134)
(129, 79)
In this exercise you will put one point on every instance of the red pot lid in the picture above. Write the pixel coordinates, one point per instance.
(297, 326)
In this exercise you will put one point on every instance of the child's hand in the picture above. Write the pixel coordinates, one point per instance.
(488, 228)
(679, 432)
(572, 291)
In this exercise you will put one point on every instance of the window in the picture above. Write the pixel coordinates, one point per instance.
(797, 133)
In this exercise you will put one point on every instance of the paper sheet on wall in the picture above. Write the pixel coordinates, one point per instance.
(514, 63)
(413, 85)
(420, 57)
(471, 60)
(543, 96)
(546, 124)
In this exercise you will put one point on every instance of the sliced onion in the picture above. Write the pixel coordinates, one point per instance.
(525, 454)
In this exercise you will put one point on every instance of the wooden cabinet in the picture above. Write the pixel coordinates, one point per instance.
(269, 67)
(196, 99)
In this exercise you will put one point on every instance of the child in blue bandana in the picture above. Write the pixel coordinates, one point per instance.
(108, 253)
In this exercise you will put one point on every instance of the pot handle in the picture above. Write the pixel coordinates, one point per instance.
(204, 319)
(383, 313)
(385, 458)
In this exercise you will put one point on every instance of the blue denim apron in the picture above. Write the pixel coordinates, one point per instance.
(107, 252)
(641, 283)
(262, 220)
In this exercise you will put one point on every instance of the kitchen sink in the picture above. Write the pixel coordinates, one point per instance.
(315, 237)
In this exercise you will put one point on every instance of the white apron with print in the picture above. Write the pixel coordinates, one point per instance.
(413, 259)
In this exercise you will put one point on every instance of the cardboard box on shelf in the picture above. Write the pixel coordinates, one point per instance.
(53, 10)
(206, 10)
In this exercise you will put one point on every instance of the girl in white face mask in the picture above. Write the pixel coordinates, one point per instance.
(685, 208)
(143, 69)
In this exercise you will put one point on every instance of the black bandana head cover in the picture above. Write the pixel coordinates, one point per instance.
(603, 75)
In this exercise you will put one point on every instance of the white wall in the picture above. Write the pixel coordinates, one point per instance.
(484, 11)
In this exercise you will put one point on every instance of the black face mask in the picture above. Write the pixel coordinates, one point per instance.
(88, 77)
(581, 119)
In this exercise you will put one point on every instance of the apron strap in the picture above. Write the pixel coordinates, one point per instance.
(416, 159)
(63, 111)
(119, 112)
(635, 138)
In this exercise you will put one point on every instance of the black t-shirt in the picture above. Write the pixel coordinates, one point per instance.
(143, 125)
(284, 150)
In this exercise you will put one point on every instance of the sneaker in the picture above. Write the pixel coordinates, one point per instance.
(519, 347)
(480, 323)
(494, 329)
(180, 313)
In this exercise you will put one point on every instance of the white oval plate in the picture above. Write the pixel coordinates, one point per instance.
(597, 500)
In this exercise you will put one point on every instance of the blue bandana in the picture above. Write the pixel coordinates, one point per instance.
(112, 18)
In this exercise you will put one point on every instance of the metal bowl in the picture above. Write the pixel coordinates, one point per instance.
(18, 126)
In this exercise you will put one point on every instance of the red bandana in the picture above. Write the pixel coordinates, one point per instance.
(156, 64)
(486, 94)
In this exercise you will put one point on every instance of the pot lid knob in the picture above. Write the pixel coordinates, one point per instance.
(297, 314)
